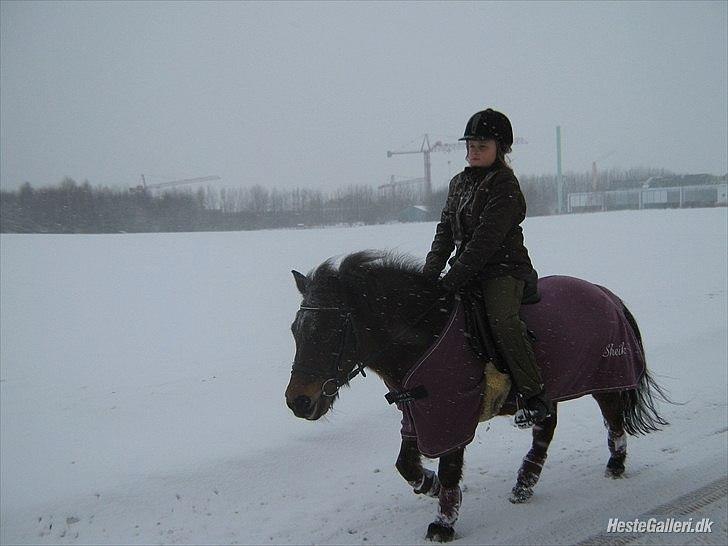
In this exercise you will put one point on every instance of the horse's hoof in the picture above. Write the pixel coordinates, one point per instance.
(437, 532)
(614, 473)
(520, 494)
(615, 468)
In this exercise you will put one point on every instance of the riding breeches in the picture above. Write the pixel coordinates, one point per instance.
(502, 298)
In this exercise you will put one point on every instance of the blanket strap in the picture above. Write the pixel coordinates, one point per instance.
(408, 395)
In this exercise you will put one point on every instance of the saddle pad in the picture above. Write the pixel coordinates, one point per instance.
(584, 345)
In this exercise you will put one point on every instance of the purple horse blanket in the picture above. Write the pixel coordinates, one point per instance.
(584, 344)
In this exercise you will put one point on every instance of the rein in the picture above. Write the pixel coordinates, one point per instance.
(361, 364)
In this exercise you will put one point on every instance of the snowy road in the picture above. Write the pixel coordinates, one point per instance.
(142, 385)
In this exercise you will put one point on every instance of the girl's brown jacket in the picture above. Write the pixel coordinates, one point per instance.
(481, 218)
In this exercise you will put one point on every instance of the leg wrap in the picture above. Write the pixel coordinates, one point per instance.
(449, 508)
(530, 470)
(528, 476)
(428, 485)
(618, 449)
(617, 443)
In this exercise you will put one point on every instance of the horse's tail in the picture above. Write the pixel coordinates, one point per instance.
(640, 414)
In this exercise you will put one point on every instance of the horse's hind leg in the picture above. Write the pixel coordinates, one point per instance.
(409, 465)
(532, 464)
(612, 409)
(450, 471)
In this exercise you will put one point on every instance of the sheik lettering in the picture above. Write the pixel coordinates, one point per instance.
(615, 350)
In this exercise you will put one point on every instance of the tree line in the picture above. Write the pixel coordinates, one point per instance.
(80, 208)
(71, 207)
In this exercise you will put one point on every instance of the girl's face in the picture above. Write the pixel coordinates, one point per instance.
(481, 153)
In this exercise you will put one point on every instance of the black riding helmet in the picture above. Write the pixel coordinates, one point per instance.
(490, 124)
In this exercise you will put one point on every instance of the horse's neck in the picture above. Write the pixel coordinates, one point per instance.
(404, 340)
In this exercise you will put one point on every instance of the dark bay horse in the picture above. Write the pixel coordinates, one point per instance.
(378, 311)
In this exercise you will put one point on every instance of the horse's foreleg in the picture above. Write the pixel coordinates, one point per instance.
(450, 472)
(611, 405)
(533, 462)
(409, 465)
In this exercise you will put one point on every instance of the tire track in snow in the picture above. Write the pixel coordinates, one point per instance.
(680, 506)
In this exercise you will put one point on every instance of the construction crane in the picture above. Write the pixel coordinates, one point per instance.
(426, 149)
(144, 186)
(393, 184)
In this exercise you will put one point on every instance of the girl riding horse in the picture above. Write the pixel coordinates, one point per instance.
(481, 220)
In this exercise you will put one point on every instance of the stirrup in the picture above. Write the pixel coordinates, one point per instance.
(525, 418)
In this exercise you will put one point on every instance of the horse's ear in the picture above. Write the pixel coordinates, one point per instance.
(301, 281)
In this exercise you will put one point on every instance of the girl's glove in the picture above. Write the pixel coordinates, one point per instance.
(456, 277)
(431, 272)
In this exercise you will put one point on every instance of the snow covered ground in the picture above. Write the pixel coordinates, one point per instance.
(142, 381)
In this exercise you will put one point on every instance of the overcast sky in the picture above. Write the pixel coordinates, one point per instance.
(314, 94)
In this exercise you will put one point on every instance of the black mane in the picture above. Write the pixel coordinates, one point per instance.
(387, 291)
(381, 263)
(374, 272)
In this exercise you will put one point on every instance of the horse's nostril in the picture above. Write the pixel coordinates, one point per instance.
(301, 405)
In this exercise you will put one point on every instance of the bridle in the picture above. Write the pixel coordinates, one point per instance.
(333, 379)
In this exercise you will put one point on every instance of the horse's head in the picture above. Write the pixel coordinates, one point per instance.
(325, 345)
(348, 314)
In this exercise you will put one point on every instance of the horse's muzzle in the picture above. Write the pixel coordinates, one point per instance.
(301, 406)
(305, 399)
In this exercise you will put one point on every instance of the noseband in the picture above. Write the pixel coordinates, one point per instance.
(333, 379)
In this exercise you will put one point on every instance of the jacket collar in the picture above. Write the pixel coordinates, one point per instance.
(480, 171)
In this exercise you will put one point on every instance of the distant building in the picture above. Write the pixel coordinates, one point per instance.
(414, 213)
(648, 197)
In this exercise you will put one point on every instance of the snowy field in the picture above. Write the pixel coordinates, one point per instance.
(142, 386)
